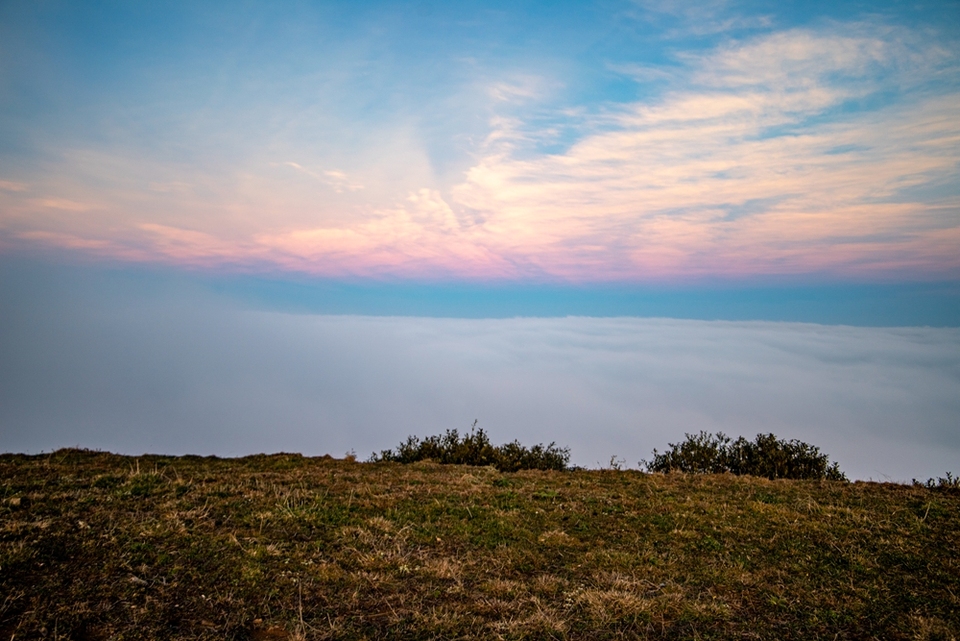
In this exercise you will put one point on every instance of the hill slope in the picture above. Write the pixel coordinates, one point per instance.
(96, 546)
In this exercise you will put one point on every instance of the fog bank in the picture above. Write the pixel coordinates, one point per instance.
(180, 372)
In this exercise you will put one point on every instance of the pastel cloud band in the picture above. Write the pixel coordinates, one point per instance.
(757, 160)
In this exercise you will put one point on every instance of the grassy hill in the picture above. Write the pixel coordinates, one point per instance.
(97, 546)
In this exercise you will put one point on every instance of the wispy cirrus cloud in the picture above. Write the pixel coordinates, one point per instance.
(333, 177)
(12, 185)
(706, 18)
(759, 164)
(801, 151)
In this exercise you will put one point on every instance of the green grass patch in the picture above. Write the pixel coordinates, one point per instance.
(99, 546)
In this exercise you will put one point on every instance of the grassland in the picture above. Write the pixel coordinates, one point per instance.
(98, 546)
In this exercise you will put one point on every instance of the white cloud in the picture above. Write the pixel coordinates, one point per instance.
(667, 187)
(179, 372)
(831, 151)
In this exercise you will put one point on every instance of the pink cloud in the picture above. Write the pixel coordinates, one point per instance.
(747, 165)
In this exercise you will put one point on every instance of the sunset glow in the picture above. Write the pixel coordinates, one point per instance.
(828, 148)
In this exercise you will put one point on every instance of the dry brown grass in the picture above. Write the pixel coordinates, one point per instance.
(97, 546)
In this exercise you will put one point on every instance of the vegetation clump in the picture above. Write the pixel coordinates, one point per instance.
(474, 448)
(766, 456)
(948, 483)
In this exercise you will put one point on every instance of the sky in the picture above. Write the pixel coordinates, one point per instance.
(290, 178)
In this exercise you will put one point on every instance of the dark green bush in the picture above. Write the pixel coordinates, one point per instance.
(475, 448)
(950, 482)
(766, 456)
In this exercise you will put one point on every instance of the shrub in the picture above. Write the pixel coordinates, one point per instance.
(950, 482)
(475, 448)
(766, 456)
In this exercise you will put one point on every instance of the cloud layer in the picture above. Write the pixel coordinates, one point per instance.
(177, 372)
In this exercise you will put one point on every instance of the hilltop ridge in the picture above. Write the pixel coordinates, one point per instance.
(96, 545)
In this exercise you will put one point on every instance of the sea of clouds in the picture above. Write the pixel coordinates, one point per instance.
(169, 372)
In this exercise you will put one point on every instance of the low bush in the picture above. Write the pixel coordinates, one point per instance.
(475, 448)
(950, 482)
(766, 456)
